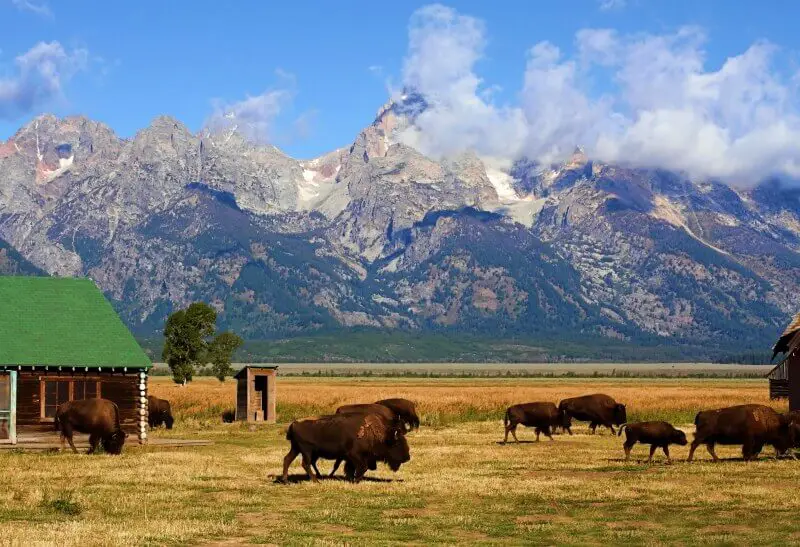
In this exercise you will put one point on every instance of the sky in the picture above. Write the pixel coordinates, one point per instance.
(707, 87)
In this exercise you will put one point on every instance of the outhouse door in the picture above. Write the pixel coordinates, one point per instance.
(8, 407)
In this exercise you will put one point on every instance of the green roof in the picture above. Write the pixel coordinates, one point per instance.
(60, 321)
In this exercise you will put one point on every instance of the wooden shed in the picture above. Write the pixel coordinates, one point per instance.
(255, 393)
(61, 340)
(784, 379)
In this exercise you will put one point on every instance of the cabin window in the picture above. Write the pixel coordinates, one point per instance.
(57, 391)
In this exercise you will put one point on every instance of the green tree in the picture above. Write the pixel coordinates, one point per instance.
(220, 351)
(188, 343)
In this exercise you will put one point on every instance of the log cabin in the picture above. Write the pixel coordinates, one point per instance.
(61, 340)
(784, 379)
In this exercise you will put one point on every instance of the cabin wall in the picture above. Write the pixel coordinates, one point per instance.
(121, 388)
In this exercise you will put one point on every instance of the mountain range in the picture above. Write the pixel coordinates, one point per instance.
(376, 235)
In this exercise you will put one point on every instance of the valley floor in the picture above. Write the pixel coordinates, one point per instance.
(461, 485)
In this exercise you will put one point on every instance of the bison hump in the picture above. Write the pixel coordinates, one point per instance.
(372, 429)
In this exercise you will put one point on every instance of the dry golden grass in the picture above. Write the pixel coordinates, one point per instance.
(460, 485)
(445, 401)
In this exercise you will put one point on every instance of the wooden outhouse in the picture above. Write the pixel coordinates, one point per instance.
(61, 340)
(784, 379)
(255, 394)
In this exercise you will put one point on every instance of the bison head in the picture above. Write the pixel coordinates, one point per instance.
(679, 438)
(620, 416)
(564, 419)
(169, 420)
(112, 443)
(398, 452)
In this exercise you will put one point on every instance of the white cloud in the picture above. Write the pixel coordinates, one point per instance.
(443, 49)
(252, 117)
(660, 105)
(41, 74)
(38, 8)
(606, 5)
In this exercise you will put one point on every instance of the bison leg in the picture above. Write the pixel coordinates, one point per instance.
(611, 427)
(66, 433)
(336, 465)
(627, 447)
(93, 442)
(306, 463)
(513, 429)
(710, 448)
(593, 427)
(315, 468)
(666, 453)
(695, 444)
(287, 461)
(652, 451)
(538, 432)
(546, 431)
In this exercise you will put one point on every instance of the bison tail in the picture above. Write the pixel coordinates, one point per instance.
(289, 432)
(621, 427)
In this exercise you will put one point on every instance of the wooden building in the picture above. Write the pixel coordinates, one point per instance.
(61, 340)
(784, 379)
(255, 394)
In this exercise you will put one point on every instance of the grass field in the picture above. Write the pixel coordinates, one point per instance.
(460, 485)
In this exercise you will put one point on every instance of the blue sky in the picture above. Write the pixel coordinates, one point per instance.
(332, 63)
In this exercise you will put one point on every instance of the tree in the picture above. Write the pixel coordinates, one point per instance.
(219, 354)
(187, 342)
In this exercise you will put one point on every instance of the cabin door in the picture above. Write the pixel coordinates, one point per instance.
(261, 398)
(8, 407)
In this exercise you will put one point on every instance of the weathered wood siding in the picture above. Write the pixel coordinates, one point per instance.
(121, 388)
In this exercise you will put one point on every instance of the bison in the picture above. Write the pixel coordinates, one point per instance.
(656, 434)
(366, 408)
(751, 426)
(405, 409)
(97, 417)
(597, 409)
(359, 439)
(542, 416)
(159, 412)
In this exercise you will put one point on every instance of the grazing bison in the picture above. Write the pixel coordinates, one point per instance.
(97, 417)
(542, 416)
(597, 409)
(358, 439)
(405, 409)
(656, 434)
(159, 412)
(751, 426)
(366, 408)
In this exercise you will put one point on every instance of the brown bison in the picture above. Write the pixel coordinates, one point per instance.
(159, 412)
(542, 416)
(656, 434)
(366, 408)
(358, 439)
(97, 417)
(597, 409)
(751, 426)
(405, 409)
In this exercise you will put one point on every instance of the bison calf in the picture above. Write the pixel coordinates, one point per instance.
(656, 434)
(159, 412)
(751, 426)
(97, 417)
(542, 416)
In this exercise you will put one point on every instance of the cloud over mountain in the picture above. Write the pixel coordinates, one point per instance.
(661, 106)
(41, 74)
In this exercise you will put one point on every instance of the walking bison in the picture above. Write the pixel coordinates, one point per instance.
(159, 412)
(358, 439)
(97, 417)
(541, 416)
(597, 409)
(751, 426)
(656, 434)
(406, 410)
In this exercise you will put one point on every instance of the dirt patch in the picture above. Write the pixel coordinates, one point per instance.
(726, 529)
(409, 513)
(634, 525)
(538, 519)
